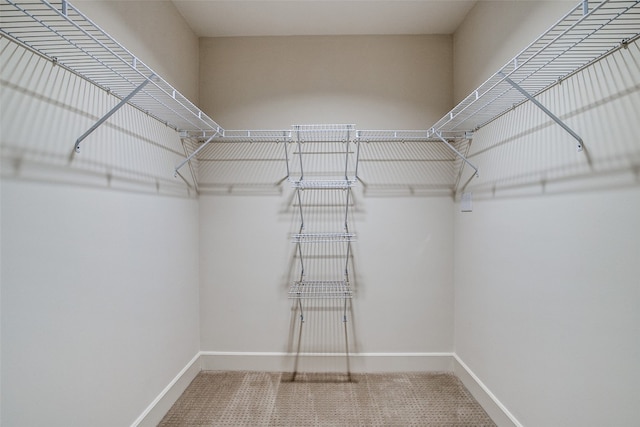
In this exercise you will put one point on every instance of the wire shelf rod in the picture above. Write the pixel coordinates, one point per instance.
(323, 237)
(324, 184)
(318, 289)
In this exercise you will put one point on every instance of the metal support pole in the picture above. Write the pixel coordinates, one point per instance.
(346, 211)
(346, 159)
(300, 152)
(286, 157)
(184, 162)
(346, 341)
(346, 262)
(298, 190)
(344, 316)
(110, 113)
(459, 154)
(301, 261)
(545, 110)
(357, 142)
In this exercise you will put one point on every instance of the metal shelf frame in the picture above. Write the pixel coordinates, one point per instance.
(60, 32)
(590, 31)
(321, 289)
(57, 30)
(320, 150)
(323, 237)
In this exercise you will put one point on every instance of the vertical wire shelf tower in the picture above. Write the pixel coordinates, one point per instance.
(322, 167)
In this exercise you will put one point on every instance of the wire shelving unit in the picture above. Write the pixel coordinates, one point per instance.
(60, 32)
(321, 289)
(322, 169)
(57, 30)
(590, 31)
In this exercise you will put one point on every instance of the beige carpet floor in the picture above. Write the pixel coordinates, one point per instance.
(276, 399)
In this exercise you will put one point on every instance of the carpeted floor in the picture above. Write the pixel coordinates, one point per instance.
(276, 399)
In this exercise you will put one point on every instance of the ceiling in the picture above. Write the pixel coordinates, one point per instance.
(228, 18)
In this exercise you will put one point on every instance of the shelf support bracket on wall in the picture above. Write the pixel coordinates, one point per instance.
(104, 118)
(537, 103)
(184, 162)
(459, 154)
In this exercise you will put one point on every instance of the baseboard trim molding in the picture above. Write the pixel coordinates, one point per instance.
(325, 362)
(489, 402)
(167, 397)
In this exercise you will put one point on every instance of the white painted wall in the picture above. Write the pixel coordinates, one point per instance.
(99, 251)
(403, 256)
(547, 297)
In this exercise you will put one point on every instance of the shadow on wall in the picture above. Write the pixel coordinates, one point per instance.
(525, 153)
(45, 108)
(242, 168)
(386, 169)
(321, 266)
(408, 168)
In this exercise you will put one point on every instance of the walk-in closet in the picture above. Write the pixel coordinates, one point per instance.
(317, 212)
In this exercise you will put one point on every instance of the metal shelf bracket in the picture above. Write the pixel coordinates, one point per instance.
(104, 118)
(459, 154)
(192, 155)
(544, 109)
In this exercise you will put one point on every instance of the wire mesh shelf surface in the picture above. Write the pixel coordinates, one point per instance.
(58, 31)
(320, 184)
(591, 30)
(396, 135)
(319, 289)
(323, 237)
(323, 133)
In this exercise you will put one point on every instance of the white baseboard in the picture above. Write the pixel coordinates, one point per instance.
(323, 362)
(489, 402)
(165, 400)
(326, 362)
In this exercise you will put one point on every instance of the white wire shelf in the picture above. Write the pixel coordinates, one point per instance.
(322, 237)
(323, 133)
(56, 30)
(330, 289)
(319, 184)
(588, 32)
(60, 32)
(251, 136)
(396, 136)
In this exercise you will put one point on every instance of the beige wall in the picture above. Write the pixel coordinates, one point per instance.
(493, 33)
(99, 255)
(543, 274)
(375, 82)
(156, 33)
(402, 273)
(402, 260)
(546, 265)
